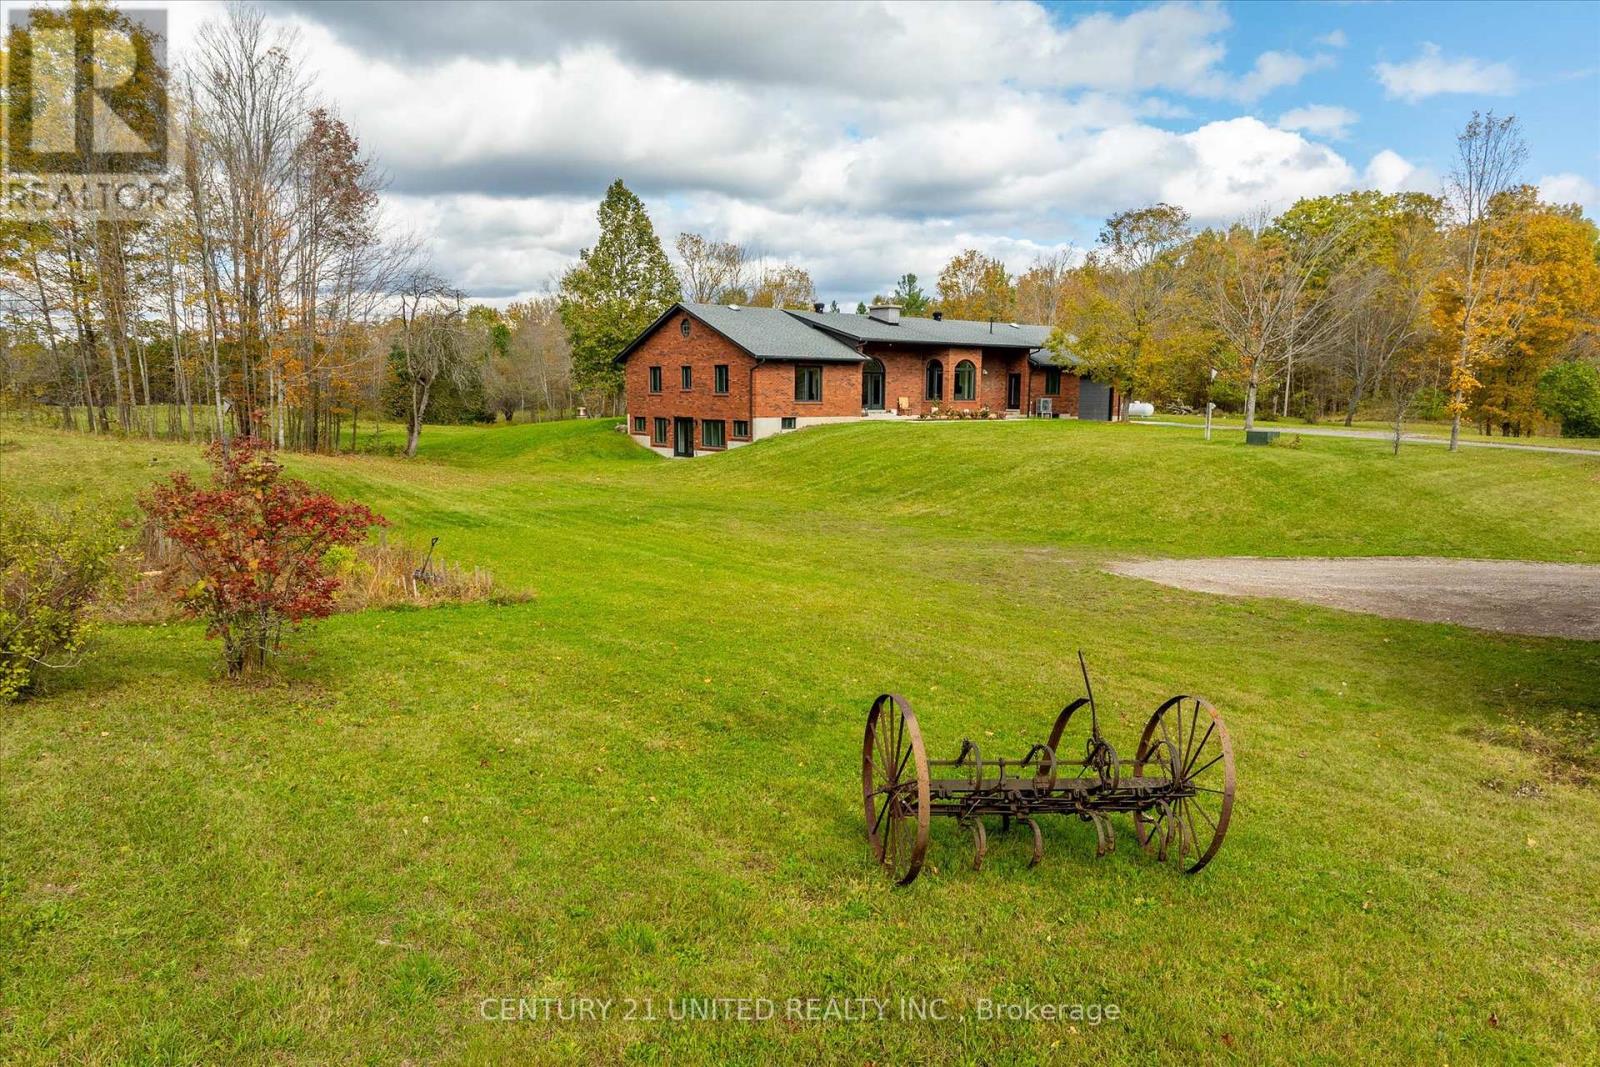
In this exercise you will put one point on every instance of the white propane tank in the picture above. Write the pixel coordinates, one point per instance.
(1141, 409)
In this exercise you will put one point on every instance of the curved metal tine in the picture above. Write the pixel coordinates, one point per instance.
(1106, 842)
(1038, 842)
(1164, 824)
(1166, 739)
(980, 843)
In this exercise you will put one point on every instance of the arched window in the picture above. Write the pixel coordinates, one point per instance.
(966, 380)
(683, 327)
(935, 390)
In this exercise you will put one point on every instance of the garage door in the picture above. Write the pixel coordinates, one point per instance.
(1094, 401)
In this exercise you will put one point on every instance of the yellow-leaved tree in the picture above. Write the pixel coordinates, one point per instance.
(1547, 303)
(978, 287)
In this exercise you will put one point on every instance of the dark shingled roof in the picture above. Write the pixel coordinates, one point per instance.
(963, 332)
(967, 333)
(772, 333)
(1045, 357)
(829, 337)
(766, 333)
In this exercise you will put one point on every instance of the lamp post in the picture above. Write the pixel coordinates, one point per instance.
(1209, 405)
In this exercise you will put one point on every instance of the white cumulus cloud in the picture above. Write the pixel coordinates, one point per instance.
(1432, 73)
(1569, 188)
(1321, 120)
(1242, 164)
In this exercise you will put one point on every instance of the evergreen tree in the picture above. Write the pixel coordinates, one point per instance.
(616, 289)
(909, 295)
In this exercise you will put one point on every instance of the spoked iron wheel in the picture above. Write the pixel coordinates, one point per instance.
(1186, 742)
(894, 786)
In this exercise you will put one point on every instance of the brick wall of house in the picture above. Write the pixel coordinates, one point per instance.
(1001, 364)
(1064, 402)
(841, 391)
(905, 376)
(702, 350)
(952, 357)
(902, 376)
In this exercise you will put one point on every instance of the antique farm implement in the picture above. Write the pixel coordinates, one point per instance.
(1178, 787)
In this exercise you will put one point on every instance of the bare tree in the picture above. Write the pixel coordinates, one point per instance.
(1042, 287)
(710, 270)
(539, 371)
(1385, 309)
(1262, 302)
(432, 342)
(786, 286)
(252, 107)
(1489, 153)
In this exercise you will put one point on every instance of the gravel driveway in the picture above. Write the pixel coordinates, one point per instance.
(1548, 599)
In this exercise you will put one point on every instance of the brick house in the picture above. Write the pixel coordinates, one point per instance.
(705, 377)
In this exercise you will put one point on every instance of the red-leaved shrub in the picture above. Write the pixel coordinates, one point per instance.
(256, 541)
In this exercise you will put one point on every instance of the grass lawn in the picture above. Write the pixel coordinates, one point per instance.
(645, 782)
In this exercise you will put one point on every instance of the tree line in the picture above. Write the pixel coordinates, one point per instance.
(1481, 303)
(268, 297)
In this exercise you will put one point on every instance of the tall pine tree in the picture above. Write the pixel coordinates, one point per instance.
(615, 290)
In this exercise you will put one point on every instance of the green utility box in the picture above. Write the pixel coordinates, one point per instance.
(1260, 437)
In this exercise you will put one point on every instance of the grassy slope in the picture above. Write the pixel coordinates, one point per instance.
(644, 783)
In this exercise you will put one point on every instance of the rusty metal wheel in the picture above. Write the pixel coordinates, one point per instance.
(1186, 742)
(894, 787)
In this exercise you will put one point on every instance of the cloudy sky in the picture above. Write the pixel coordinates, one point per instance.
(863, 140)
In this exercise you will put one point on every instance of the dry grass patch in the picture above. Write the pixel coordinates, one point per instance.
(377, 575)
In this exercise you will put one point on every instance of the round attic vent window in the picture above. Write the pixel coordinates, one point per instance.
(683, 327)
